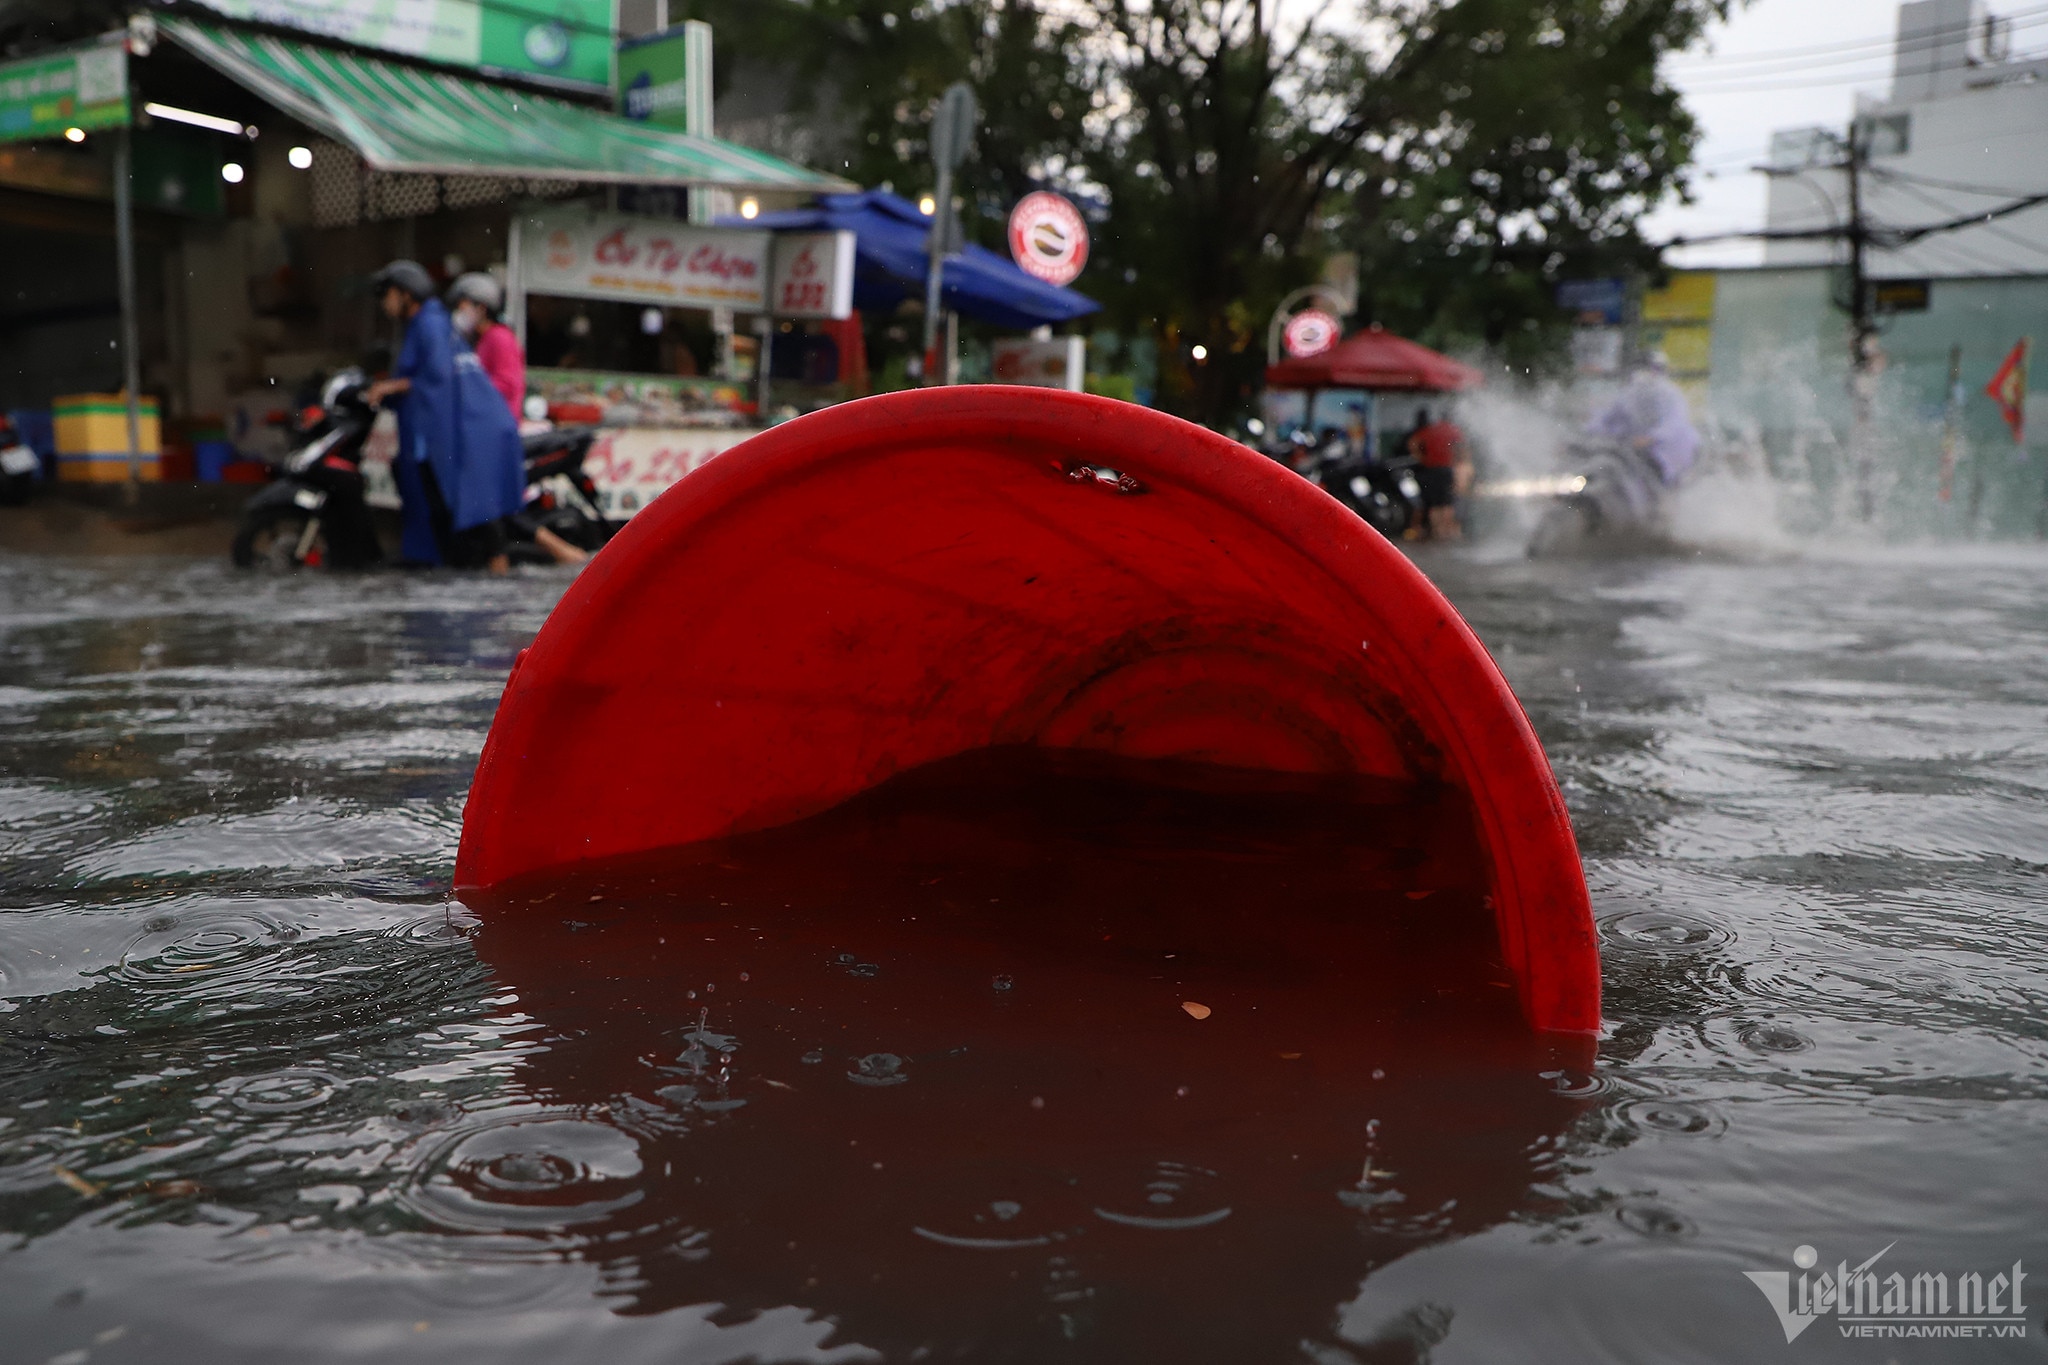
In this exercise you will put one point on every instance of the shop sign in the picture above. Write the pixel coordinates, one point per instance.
(1310, 332)
(1594, 303)
(569, 42)
(644, 260)
(812, 275)
(86, 88)
(654, 80)
(633, 466)
(1056, 363)
(1048, 238)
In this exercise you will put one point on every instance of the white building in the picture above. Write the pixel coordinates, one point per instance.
(1963, 130)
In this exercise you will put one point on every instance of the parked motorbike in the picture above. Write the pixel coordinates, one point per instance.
(1611, 498)
(1384, 493)
(560, 496)
(19, 466)
(314, 514)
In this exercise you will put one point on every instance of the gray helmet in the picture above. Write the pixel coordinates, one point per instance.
(410, 276)
(480, 289)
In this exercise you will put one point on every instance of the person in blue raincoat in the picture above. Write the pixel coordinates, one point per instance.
(459, 467)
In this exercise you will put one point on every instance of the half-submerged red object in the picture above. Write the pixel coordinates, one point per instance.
(912, 577)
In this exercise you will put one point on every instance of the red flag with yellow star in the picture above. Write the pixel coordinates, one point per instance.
(2008, 389)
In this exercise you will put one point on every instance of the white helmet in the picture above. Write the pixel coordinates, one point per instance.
(480, 289)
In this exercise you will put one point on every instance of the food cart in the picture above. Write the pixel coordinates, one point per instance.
(656, 280)
(1390, 376)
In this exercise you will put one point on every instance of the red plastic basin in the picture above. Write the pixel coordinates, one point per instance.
(915, 576)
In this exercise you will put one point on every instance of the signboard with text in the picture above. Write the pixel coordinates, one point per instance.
(566, 41)
(644, 260)
(1048, 238)
(654, 80)
(580, 254)
(44, 96)
(812, 275)
(1310, 332)
(634, 466)
(1055, 363)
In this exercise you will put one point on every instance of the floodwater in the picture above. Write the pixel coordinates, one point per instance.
(266, 1092)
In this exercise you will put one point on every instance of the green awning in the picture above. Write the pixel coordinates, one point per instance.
(406, 118)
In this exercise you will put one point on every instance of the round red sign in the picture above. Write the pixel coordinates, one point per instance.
(1310, 332)
(1048, 238)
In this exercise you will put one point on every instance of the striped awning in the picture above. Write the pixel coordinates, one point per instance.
(407, 118)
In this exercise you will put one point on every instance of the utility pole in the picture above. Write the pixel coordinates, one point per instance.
(1866, 359)
(1863, 351)
(952, 134)
(124, 266)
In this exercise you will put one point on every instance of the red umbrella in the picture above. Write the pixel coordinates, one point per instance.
(1375, 359)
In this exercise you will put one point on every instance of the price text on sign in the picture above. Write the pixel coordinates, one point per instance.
(1048, 238)
(633, 466)
(1310, 332)
(812, 275)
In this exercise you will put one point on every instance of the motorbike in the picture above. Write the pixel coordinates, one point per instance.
(20, 466)
(561, 497)
(1385, 494)
(314, 514)
(1612, 498)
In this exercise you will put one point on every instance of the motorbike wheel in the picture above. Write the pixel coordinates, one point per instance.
(270, 539)
(1389, 516)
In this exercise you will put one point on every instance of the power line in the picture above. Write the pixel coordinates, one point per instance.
(1930, 37)
(1767, 87)
(1794, 70)
(1991, 228)
(1887, 173)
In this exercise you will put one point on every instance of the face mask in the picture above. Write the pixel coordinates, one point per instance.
(466, 319)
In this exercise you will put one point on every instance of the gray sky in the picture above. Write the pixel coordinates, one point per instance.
(1743, 86)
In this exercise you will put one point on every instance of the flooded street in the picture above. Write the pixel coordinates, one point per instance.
(267, 1092)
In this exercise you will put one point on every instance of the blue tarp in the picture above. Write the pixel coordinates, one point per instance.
(889, 263)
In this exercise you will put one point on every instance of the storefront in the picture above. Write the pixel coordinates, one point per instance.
(271, 173)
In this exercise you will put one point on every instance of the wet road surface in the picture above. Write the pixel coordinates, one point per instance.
(265, 1091)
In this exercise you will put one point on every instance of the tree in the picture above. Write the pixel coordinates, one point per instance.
(1471, 151)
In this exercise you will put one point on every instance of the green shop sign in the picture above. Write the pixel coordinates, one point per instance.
(654, 79)
(564, 41)
(43, 96)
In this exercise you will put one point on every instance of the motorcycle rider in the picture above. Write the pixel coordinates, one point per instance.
(476, 303)
(454, 490)
(1652, 418)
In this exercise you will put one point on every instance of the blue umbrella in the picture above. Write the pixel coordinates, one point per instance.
(889, 263)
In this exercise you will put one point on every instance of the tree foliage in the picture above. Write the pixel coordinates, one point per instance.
(1471, 152)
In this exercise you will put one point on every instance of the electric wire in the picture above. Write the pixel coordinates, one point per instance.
(1991, 229)
(1892, 44)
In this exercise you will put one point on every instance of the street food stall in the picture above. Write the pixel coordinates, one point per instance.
(664, 417)
(1388, 375)
(304, 162)
(891, 243)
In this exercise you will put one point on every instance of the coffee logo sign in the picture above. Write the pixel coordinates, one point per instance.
(1048, 238)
